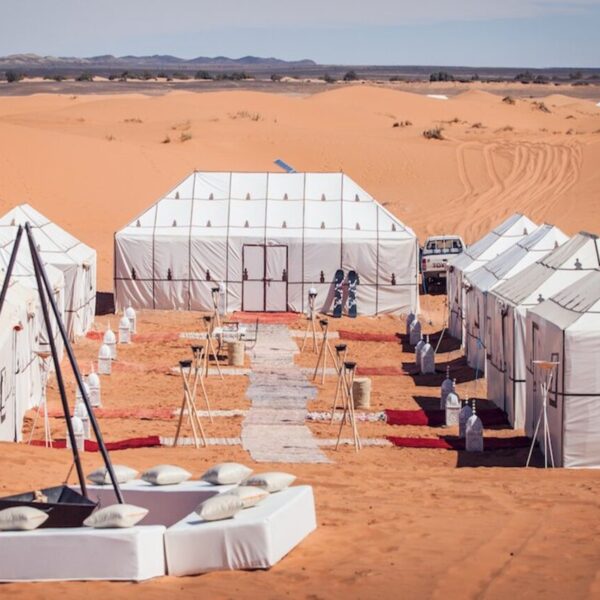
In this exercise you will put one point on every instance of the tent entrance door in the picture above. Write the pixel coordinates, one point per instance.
(265, 286)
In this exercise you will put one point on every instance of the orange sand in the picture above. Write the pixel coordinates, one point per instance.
(393, 523)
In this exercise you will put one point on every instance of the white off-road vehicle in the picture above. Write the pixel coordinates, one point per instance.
(437, 250)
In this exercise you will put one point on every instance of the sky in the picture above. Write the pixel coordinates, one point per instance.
(510, 33)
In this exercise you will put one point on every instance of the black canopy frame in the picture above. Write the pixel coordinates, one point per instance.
(47, 297)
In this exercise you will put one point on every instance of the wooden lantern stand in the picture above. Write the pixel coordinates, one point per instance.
(209, 324)
(325, 349)
(42, 407)
(215, 300)
(189, 405)
(311, 324)
(199, 353)
(341, 351)
(348, 370)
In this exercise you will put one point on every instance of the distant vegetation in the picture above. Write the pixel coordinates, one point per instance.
(433, 134)
(441, 76)
(351, 76)
(327, 78)
(85, 77)
(13, 76)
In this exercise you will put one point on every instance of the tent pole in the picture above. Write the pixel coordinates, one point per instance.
(41, 275)
(59, 378)
(11, 264)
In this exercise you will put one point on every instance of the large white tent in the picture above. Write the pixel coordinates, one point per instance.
(479, 282)
(268, 238)
(489, 246)
(566, 329)
(76, 260)
(508, 304)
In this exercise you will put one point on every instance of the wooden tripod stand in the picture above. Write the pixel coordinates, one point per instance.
(199, 354)
(210, 345)
(341, 350)
(348, 370)
(311, 323)
(325, 349)
(215, 300)
(189, 405)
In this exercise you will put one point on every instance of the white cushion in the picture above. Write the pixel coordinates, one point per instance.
(122, 473)
(250, 495)
(117, 515)
(273, 481)
(226, 473)
(166, 475)
(21, 518)
(217, 508)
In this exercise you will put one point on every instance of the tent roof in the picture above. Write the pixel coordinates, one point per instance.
(537, 244)
(58, 247)
(579, 303)
(509, 232)
(270, 204)
(553, 272)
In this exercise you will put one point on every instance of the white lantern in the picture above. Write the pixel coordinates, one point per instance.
(466, 412)
(78, 395)
(474, 434)
(111, 341)
(79, 432)
(130, 314)
(124, 331)
(418, 347)
(104, 360)
(81, 413)
(427, 358)
(93, 382)
(452, 408)
(415, 332)
(445, 389)
(409, 320)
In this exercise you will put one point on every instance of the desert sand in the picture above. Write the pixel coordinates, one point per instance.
(393, 522)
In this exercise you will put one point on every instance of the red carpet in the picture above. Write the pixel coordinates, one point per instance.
(368, 337)
(493, 417)
(454, 443)
(91, 446)
(389, 371)
(282, 318)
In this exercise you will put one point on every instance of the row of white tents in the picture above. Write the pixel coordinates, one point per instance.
(71, 269)
(525, 293)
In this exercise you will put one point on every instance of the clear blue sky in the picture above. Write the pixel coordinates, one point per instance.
(534, 33)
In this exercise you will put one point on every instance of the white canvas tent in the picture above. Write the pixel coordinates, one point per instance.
(479, 282)
(269, 238)
(489, 246)
(508, 304)
(566, 329)
(17, 372)
(23, 273)
(76, 260)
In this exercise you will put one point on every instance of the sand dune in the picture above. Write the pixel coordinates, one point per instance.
(94, 162)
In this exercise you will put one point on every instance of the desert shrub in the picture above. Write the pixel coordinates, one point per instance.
(350, 76)
(85, 76)
(402, 124)
(234, 76)
(524, 77)
(327, 78)
(202, 75)
(185, 136)
(441, 76)
(508, 100)
(13, 76)
(396, 78)
(180, 75)
(477, 125)
(54, 78)
(541, 106)
(434, 133)
(276, 77)
(166, 140)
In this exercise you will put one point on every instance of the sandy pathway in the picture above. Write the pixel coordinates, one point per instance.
(274, 429)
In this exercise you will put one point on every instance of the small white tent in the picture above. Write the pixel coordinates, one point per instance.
(269, 238)
(23, 274)
(76, 260)
(479, 282)
(566, 329)
(507, 310)
(489, 246)
(16, 356)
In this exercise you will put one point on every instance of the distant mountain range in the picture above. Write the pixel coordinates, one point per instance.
(156, 61)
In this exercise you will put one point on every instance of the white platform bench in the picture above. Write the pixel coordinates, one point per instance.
(81, 553)
(256, 538)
